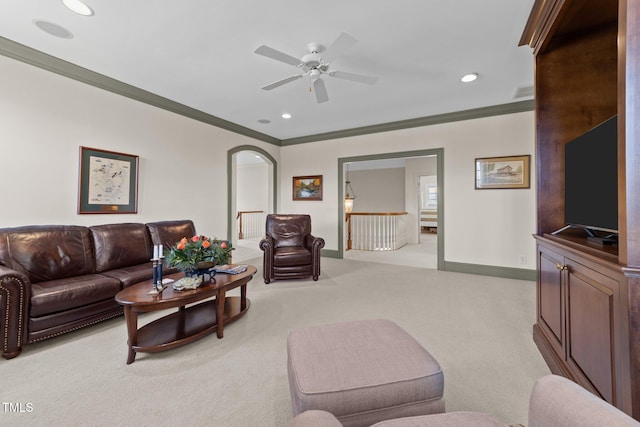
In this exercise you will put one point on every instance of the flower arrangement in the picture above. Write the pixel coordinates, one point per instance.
(198, 252)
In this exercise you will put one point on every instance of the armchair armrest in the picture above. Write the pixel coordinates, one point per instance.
(267, 245)
(314, 244)
(559, 402)
(15, 296)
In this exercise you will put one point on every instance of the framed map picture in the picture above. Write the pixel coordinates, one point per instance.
(108, 182)
(307, 187)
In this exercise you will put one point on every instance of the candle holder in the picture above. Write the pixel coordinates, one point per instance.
(156, 281)
(159, 285)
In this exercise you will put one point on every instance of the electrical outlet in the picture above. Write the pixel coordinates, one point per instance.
(523, 259)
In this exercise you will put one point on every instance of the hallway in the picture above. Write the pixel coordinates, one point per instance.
(422, 255)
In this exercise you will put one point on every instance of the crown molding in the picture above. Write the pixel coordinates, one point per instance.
(476, 113)
(47, 62)
(50, 63)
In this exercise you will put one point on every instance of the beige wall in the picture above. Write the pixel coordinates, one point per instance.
(252, 193)
(488, 227)
(378, 190)
(45, 118)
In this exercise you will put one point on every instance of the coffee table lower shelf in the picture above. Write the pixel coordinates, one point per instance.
(186, 325)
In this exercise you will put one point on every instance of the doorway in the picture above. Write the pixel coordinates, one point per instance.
(421, 251)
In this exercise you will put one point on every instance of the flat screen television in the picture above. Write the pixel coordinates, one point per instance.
(591, 179)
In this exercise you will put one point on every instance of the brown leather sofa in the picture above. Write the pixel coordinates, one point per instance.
(58, 278)
(290, 250)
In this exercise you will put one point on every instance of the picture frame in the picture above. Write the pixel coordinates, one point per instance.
(507, 172)
(108, 182)
(307, 187)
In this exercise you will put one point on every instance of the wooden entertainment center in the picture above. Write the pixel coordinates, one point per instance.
(587, 69)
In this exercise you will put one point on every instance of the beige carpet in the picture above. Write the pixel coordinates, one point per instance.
(479, 328)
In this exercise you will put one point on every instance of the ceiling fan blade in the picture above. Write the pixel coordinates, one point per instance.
(277, 55)
(282, 82)
(354, 77)
(320, 90)
(343, 43)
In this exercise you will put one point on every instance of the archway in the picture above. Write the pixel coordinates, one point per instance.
(233, 170)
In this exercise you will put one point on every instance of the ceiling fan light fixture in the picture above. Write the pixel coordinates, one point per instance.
(313, 65)
(468, 78)
(78, 7)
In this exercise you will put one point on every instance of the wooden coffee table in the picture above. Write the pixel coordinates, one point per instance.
(189, 322)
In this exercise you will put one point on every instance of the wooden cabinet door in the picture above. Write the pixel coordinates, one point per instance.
(551, 299)
(594, 305)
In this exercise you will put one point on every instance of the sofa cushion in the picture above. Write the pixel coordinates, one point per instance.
(168, 233)
(53, 324)
(131, 275)
(121, 245)
(47, 252)
(64, 294)
(315, 418)
(450, 419)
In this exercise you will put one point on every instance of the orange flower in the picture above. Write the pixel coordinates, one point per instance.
(223, 245)
(206, 244)
(181, 245)
(183, 240)
(195, 238)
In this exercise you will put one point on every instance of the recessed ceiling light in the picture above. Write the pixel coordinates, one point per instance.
(53, 29)
(286, 115)
(78, 7)
(468, 78)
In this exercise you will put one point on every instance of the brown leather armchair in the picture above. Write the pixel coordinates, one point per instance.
(290, 250)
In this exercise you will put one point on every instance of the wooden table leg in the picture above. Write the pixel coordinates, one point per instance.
(243, 297)
(131, 318)
(220, 312)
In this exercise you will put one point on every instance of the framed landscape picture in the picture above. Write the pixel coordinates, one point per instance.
(307, 187)
(502, 172)
(108, 182)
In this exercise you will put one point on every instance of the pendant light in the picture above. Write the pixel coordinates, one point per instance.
(349, 194)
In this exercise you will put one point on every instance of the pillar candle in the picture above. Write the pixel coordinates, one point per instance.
(155, 251)
(160, 251)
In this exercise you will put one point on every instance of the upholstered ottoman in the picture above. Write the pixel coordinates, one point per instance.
(362, 372)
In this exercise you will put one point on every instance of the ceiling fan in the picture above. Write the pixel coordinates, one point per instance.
(315, 64)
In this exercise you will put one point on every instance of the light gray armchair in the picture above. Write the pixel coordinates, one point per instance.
(555, 402)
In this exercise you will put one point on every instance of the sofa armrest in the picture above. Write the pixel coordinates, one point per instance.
(315, 418)
(15, 296)
(559, 402)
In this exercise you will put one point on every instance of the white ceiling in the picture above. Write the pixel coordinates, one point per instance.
(200, 53)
